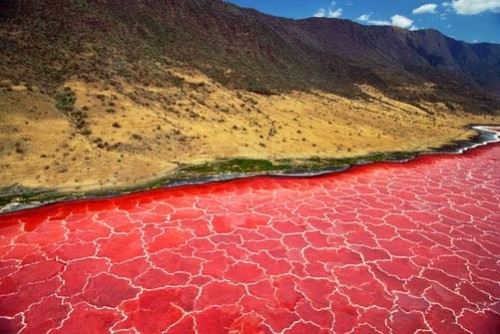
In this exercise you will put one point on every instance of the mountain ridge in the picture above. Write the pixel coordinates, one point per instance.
(243, 48)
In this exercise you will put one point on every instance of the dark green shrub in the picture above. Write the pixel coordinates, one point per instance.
(65, 99)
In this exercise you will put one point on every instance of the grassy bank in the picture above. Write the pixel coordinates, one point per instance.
(220, 170)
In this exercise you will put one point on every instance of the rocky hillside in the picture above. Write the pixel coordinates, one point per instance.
(44, 43)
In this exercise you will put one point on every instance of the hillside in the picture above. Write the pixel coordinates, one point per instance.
(106, 93)
(237, 47)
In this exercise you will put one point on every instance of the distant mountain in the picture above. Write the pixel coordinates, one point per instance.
(46, 42)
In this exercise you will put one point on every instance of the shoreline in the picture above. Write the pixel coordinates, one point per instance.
(187, 175)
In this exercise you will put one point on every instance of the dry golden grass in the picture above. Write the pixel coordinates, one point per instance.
(141, 133)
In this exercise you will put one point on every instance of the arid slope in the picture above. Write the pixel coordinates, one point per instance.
(116, 139)
(96, 94)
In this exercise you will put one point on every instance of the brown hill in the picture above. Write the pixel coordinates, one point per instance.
(96, 94)
(46, 42)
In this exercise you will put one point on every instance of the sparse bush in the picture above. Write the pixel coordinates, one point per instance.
(259, 88)
(65, 99)
(177, 81)
(19, 149)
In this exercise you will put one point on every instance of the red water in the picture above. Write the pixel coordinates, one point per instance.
(386, 248)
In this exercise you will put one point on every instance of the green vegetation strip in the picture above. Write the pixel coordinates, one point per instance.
(193, 174)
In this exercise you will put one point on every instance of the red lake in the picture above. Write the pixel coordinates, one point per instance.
(380, 248)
